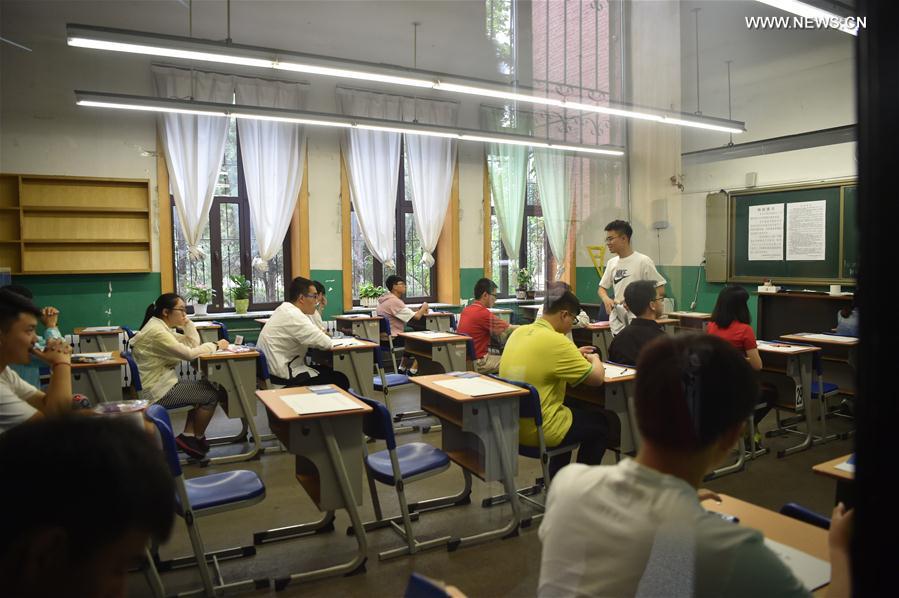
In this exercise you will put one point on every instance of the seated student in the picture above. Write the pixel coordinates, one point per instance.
(478, 322)
(847, 320)
(31, 373)
(582, 318)
(392, 307)
(320, 306)
(21, 402)
(640, 298)
(158, 349)
(55, 471)
(540, 355)
(290, 333)
(731, 321)
(604, 526)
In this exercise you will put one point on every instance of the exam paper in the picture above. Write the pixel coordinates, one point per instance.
(780, 347)
(616, 371)
(833, 338)
(100, 329)
(475, 387)
(91, 357)
(311, 403)
(430, 334)
(811, 571)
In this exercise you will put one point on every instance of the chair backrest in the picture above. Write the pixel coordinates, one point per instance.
(384, 326)
(797, 511)
(420, 586)
(128, 332)
(378, 354)
(262, 367)
(223, 331)
(135, 373)
(529, 404)
(160, 417)
(378, 424)
(469, 347)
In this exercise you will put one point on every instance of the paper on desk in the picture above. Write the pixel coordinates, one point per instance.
(100, 329)
(833, 338)
(354, 316)
(617, 371)
(430, 334)
(811, 571)
(475, 387)
(91, 357)
(310, 403)
(688, 314)
(848, 465)
(780, 347)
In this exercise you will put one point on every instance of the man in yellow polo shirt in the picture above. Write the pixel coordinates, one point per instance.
(541, 355)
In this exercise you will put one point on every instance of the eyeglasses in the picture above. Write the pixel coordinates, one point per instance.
(179, 309)
(310, 295)
(610, 239)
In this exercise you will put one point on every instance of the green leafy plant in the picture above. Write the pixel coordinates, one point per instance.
(240, 287)
(201, 293)
(370, 291)
(523, 277)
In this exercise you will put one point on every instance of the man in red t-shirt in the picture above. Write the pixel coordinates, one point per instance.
(478, 322)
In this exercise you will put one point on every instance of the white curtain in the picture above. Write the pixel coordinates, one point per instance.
(372, 161)
(507, 167)
(431, 162)
(554, 185)
(272, 156)
(194, 145)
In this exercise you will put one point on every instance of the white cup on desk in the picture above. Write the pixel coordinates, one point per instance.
(835, 289)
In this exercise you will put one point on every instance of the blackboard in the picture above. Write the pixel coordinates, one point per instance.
(840, 263)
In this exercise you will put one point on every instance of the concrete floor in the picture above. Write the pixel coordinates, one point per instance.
(499, 568)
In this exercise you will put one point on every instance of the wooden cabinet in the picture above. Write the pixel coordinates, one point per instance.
(70, 225)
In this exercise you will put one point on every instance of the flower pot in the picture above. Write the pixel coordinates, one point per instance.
(531, 294)
(521, 294)
(241, 305)
(200, 309)
(369, 301)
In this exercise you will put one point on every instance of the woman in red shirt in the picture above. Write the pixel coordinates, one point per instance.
(730, 321)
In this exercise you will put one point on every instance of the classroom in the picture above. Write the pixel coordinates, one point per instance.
(215, 159)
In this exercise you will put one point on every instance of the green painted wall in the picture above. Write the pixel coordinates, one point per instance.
(82, 298)
(467, 279)
(333, 281)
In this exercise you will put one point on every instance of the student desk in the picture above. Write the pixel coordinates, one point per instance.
(353, 358)
(236, 373)
(799, 370)
(360, 325)
(437, 352)
(98, 339)
(845, 491)
(844, 348)
(328, 449)
(692, 320)
(598, 334)
(438, 321)
(209, 332)
(616, 395)
(780, 528)
(101, 382)
(480, 434)
(502, 313)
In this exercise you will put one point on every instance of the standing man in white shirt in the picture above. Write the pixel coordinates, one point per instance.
(290, 333)
(626, 267)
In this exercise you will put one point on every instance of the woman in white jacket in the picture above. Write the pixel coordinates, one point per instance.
(158, 349)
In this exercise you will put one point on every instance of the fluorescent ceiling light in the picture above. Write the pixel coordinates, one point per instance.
(170, 46)
(173, 106)
(801, 9)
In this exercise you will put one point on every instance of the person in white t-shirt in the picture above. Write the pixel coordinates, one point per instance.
(638, 528)
(21, 402)
(626, 267)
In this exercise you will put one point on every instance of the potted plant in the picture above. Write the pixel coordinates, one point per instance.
(202, 296)
(240, 293)
(369, 293)
(524, 283)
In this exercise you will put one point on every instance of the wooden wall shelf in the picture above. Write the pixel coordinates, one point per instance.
(74, 225)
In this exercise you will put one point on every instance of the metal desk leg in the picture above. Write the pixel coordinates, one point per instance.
(97, 387)
(511, 529)
(803, 364)
(357, 564)
(247, 418)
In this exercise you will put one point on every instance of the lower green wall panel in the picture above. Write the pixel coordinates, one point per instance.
(95, 299)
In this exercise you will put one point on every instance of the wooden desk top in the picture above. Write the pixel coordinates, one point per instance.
(116, 361)
(82, 332)
(224, 355)
(800, 337)
(821, 295)
(534, 307)
(439, 314)
(360, 345)
(829, 469)
(780, 528)
(500, 310)
(260, 320)
(206, 325)
(445, 337)
(694, 315)
(428, 382)
(283, 412)
(356, 318)
(799, 350)
(664, 321)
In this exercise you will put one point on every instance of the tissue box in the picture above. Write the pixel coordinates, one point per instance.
(768, 289)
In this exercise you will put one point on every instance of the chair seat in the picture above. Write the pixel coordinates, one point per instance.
(829, 387)
(392, 380)
(224, 488)
(415, 458)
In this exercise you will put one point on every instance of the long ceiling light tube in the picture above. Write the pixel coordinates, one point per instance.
(168, 105)
(186, 48)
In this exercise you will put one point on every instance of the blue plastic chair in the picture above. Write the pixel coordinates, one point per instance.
(206, 495)
(420, 586)
(397, 466)
(383, 382)
(223, 331)
(797, 511)
(529, 408)
(384, 329)
(134, 374)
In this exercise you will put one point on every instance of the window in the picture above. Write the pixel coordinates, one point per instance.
(229, 243)
(534, 249)
(421, 282)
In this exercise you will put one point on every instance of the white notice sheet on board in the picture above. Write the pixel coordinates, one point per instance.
(806, 231)
(766, 232)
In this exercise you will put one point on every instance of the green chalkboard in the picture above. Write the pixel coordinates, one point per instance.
(840, 258)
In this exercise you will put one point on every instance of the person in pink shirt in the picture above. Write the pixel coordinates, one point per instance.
(392, 307)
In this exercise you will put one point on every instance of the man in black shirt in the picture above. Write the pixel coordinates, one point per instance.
(640, 298)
